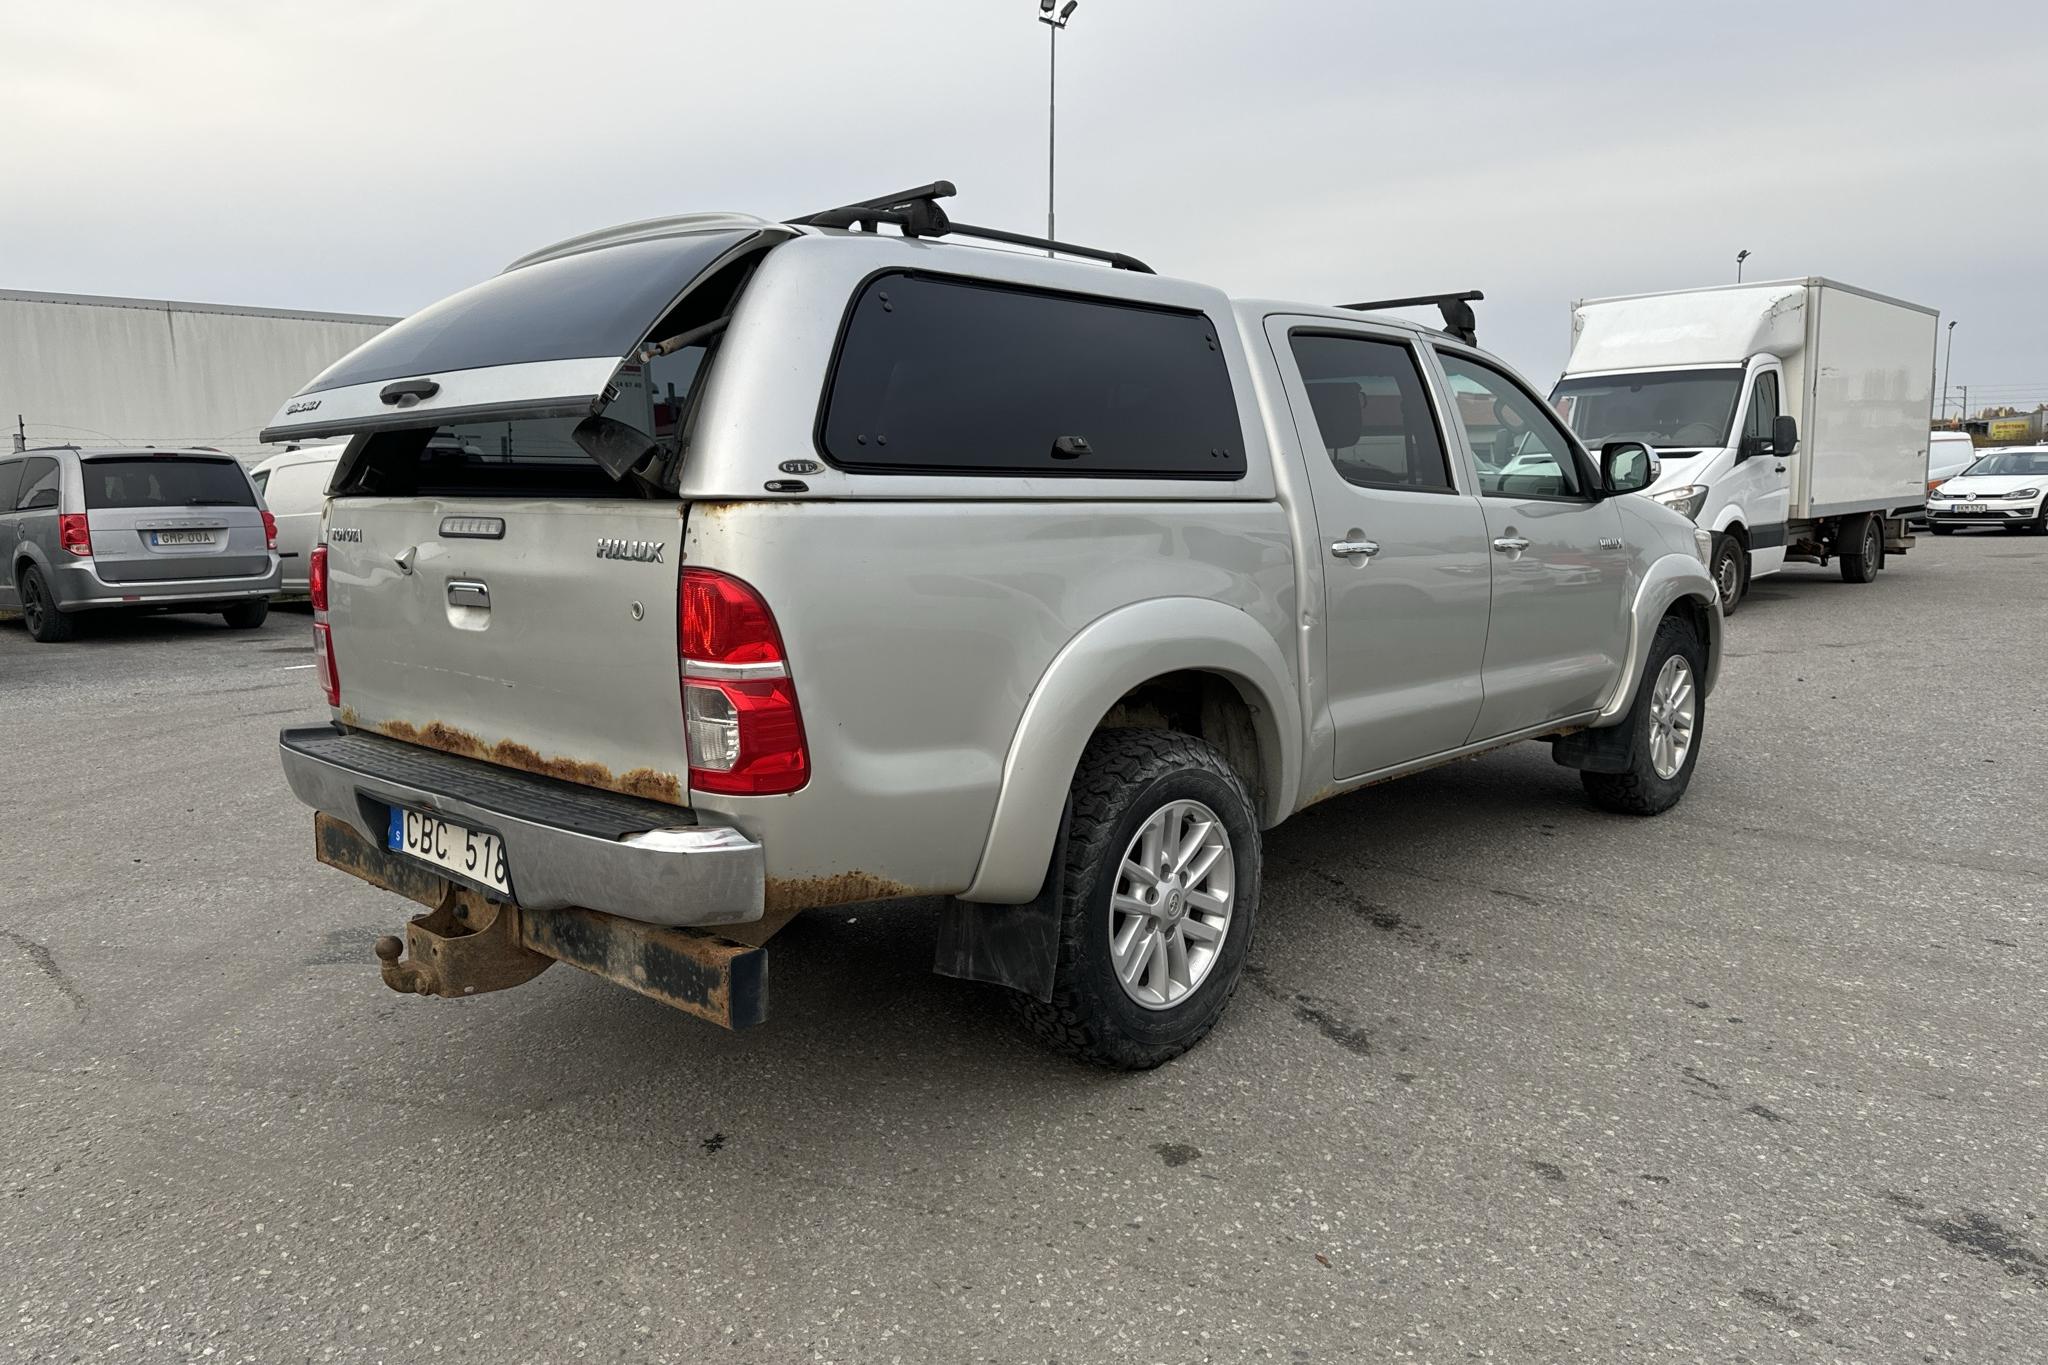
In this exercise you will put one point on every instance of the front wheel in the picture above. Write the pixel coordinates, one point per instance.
(1665, 724)
(1940, 529)
(1731, 571)
(1158, 894)
(1865, 537)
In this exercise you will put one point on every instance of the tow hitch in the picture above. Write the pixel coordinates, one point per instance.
(468, 943)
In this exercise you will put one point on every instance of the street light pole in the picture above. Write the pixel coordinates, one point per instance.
(1052, 77)
(1947, 356)
(1740, 257)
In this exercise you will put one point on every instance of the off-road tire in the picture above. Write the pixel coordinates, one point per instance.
(1865, 534)
(1639, 790)
(1125, 776)
(48, 624)
(246, 615)
(1730, 561)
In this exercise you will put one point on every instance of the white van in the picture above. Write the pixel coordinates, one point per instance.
(294, 486)
(1791, 416)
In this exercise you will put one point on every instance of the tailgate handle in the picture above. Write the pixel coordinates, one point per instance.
(406, 392)
(467, 592)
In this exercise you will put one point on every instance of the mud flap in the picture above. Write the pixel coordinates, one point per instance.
(1608, 749)
(1008, 945)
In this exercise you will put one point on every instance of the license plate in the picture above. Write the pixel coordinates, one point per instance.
(1970, 507)
(469, 852)
(181, 537)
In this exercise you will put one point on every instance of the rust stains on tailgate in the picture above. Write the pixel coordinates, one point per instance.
(647, 783)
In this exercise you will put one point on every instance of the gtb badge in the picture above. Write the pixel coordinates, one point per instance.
(644, 551)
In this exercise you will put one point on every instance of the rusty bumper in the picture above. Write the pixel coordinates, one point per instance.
(467, 943)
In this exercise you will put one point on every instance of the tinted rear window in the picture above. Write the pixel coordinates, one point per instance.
(947, 376)
(153, 481)
(595, 303)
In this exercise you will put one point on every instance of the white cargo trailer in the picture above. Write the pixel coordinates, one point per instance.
(1791, 416)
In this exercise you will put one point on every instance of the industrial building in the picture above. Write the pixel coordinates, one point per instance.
(90, 370)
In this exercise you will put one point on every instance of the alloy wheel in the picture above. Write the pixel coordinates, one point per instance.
(1674, 712)
(1170, 909)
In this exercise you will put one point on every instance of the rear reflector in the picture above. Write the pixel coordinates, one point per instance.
(740, 713)
(269, 530)
(73, 534)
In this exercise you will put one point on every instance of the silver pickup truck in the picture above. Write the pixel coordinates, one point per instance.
(691, 574)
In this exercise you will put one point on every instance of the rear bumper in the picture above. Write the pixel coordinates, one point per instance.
(77, 586)
(565, 846)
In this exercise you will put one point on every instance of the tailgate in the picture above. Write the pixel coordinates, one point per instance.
(166, 516)
(535, 633)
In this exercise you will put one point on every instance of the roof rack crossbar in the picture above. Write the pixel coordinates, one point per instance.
(918, 214)
(1456, 308)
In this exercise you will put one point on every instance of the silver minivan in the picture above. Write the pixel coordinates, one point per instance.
(164, 530)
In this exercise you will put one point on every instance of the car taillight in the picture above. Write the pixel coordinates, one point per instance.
(316, 577)
(73, 534)
(323, 638)
(269, 530)
(740, 715)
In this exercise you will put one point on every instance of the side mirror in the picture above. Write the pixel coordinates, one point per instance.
(1784, 436)
(1627, 467)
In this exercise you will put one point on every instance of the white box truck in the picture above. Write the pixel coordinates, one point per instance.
(1791, 416)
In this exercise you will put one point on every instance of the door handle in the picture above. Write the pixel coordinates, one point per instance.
(1780, 469)
(1355, 549)
(1511, 545)
(465, 592)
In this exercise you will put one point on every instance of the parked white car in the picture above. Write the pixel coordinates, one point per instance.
(2006, 488)
(294, 488)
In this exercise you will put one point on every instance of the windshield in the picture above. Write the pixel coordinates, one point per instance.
(154, 481)
(2010, 462)
(1663, 409)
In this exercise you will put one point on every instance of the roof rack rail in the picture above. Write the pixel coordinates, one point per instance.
(1456, 308)
(917, 213)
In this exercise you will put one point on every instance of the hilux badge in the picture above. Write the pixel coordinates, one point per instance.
(645, 551)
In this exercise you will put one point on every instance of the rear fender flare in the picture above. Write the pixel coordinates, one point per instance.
(1670, 577)
(1109, 657)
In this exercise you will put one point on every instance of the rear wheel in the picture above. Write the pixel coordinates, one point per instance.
(47, 622)
(1666, 723)
(247, 615)
(1864, 537)
(1731, 571)
(1158, 894)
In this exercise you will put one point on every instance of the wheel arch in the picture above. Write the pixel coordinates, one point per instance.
(1674, 582)
(1165, 663)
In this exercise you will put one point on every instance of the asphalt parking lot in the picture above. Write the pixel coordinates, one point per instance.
(1762, 1080)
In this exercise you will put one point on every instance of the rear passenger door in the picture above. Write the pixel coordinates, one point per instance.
(1402, 545)
(10, 485)
(1558, 630)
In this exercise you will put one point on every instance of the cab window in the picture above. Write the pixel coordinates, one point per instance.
(1372, 412)
(1520, 449)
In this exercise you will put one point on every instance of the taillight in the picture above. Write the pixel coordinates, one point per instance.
(73, 534)
(740, 714)
(323, 639)
(269, 530)
(316, 577)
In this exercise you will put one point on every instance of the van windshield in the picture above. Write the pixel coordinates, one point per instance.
(157, 481)
(1660, 408)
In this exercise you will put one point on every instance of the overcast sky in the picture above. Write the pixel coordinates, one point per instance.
(370, 157)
